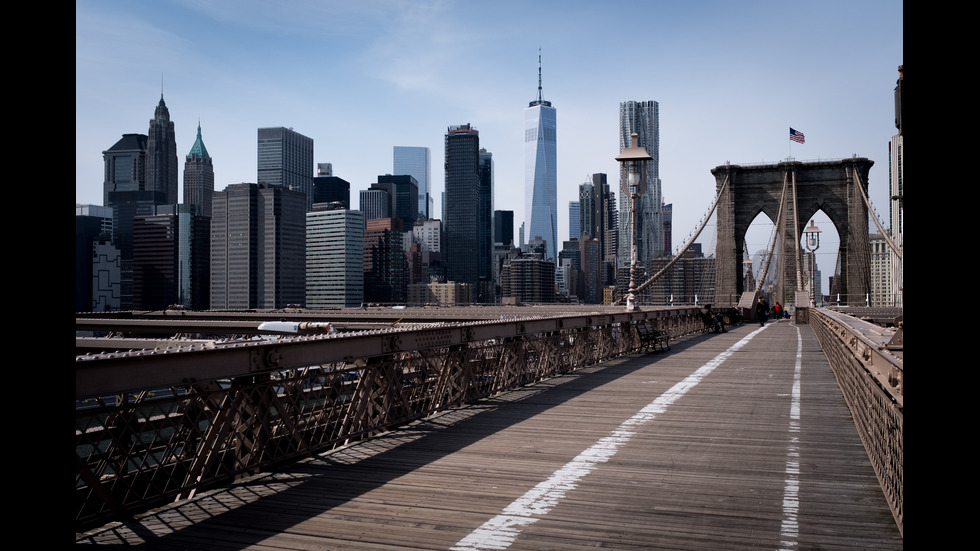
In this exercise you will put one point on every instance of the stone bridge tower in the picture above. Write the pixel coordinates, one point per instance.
(835, 187)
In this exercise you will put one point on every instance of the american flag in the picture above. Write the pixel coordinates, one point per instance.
(796, 136)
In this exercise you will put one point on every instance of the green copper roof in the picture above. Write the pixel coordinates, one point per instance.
(199, 148)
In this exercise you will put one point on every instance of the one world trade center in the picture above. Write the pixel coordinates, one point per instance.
(540, 171)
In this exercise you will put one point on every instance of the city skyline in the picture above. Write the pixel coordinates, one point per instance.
(730, 81)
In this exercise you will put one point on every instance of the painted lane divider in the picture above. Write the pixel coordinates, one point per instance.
(500, 532)
(790, 529)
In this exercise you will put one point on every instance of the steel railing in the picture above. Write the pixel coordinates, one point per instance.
(872, 382)
(160, 425)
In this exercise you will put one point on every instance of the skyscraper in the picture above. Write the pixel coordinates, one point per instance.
(540, 171)
(375, 204)
(285, 159)
(155, 240)
(881, 271)
(199, 177)
(125, 190)
(328, 188)
(597, 219)
(170, 258)
(587, 199)
(484, 292)
(403, 194)
(334, 258)
(415, 161)
(258, 247)
(161, 154)
(591, 272)
(462, 201)
(643, 118)
(429, 234)
(574, 224)
(94, 278)
(385, 264)
(125, 166)
(503, 227)
(570, 267)
(528, 278)
(896, 208)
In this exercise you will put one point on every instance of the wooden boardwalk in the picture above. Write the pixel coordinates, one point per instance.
(728, 441)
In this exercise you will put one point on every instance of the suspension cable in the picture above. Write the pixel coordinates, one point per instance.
(775, 234)
(690, 242)
(881, 230)
(796, 237)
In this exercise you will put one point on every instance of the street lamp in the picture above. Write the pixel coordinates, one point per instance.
(812, 239)
(633, 178)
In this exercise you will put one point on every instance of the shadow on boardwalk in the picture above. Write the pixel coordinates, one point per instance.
(710, 466)
(251, 510)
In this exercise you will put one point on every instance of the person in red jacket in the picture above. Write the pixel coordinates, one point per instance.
(777, 311)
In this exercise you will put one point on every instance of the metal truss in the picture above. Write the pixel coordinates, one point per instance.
(160, 425)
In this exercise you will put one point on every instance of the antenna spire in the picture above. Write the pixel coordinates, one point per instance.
(539, 74)
(540, 100)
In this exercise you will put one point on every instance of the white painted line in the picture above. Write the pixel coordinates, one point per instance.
(500, 532)
(790, 530)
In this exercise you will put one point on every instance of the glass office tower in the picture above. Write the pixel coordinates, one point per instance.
(415, 161)
(461, 203)
(485, 228)
(540, 171)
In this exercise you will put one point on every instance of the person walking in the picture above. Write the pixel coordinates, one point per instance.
(761, 310)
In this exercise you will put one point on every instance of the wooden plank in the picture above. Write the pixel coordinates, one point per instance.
(708, 473)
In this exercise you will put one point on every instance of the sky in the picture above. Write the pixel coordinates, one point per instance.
(361, 77)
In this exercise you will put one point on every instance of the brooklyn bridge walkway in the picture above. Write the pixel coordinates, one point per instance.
(727, 441)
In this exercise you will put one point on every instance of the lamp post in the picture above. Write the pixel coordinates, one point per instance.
(812, 239)
(633, 175)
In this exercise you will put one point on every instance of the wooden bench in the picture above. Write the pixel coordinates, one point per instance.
(711, 325)
(733, 316)
(651, 338)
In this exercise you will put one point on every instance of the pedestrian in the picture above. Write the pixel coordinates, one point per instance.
(777, 312)
(715, 321)
(761, 310)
